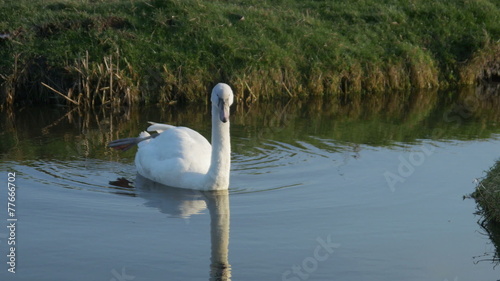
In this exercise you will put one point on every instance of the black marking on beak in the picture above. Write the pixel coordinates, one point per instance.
(223, 115)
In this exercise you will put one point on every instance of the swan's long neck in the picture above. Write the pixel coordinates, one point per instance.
(218, 174)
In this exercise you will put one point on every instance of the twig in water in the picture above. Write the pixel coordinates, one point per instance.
(59, 93)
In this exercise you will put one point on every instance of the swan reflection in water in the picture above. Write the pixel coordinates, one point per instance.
(183, 203)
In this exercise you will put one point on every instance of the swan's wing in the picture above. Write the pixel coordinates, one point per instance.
(177, 157)
(159, 127)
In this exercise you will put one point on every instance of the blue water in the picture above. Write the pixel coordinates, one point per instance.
(313, 207)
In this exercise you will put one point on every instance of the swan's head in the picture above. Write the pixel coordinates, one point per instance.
(222, 98)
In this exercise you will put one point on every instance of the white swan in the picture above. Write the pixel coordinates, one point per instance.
(181, 157)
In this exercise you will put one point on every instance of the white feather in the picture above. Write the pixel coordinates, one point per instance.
(158, 127)
(181, 157)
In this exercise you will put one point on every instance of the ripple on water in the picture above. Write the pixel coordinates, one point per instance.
(277, 165)
(81, 174)
(272, 165)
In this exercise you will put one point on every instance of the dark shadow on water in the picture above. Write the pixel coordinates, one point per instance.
(492, 231)
(323, 123)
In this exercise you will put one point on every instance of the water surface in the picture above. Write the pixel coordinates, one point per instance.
(320, 190)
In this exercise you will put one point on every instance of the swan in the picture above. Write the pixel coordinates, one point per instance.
(181, 157)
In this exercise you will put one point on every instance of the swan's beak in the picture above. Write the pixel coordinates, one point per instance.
(223, 111)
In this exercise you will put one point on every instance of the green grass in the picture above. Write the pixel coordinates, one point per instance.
(125, 51)
(487, 194)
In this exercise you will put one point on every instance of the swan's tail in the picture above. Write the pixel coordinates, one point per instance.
(128, 143)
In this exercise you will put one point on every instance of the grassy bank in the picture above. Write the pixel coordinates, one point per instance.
(487, 194)
(128, 51)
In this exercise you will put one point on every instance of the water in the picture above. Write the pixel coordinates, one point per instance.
(320, 190)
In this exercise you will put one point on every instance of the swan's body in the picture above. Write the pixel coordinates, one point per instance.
(181, 157)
